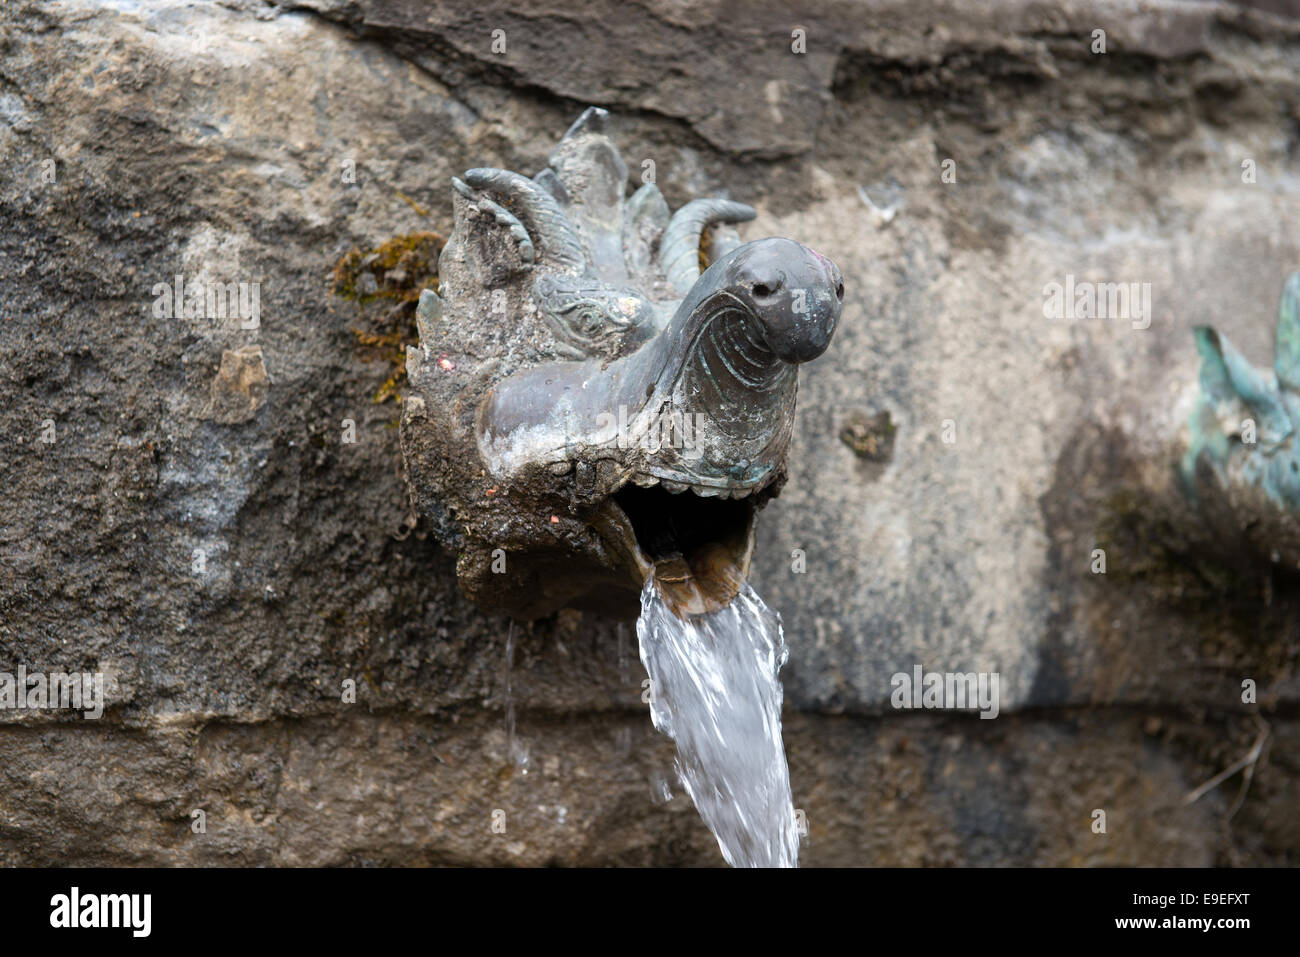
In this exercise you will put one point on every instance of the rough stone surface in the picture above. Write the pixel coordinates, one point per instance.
(216, 142)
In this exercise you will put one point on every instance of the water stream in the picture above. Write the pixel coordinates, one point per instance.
(715, 690)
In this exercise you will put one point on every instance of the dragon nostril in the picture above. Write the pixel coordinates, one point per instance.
(839, 291)
(764, 290)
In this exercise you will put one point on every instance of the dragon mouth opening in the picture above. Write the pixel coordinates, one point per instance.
(697, 548)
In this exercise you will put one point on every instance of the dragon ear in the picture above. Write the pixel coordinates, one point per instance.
(604, 184)
(679, 252)
(593, 120)
(488, 242)
(498, 215)
(1236, 390)
(545, 229)
(1286, 351)
(548, 181)
(593, 180)
(647, 215)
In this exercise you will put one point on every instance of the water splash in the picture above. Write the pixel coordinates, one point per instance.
(715, 691)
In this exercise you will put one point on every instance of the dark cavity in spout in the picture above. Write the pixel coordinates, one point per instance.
(699, 547)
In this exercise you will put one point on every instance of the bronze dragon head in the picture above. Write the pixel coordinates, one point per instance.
(588, 407)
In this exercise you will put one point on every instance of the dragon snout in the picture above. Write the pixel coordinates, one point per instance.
(795, 293)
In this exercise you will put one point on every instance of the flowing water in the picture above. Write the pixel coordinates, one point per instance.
(715, 691)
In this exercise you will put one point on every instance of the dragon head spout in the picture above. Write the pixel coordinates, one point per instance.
(588, 408)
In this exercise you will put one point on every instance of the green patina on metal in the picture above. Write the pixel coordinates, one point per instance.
(1246, 418)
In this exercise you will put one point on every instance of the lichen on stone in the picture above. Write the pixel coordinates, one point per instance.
(870, 437)
(385, 282)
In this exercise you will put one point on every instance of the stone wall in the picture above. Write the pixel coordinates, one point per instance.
(199, 531)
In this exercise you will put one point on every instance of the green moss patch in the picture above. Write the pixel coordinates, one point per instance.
(385, 283)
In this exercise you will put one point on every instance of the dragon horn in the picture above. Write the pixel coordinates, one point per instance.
(679, 251)
(552, 232)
